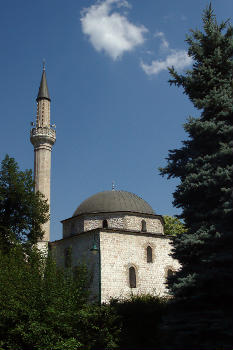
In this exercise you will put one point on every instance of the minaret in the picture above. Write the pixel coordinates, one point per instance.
(43, 137)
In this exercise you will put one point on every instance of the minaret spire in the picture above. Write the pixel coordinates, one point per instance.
(43, 137)
(43, 89)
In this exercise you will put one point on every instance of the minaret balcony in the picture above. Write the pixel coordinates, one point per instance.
(41, 135)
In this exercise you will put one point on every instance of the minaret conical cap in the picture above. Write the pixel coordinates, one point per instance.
(43, 90)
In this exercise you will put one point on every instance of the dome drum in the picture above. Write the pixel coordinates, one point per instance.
(123, 222)
(116, 210)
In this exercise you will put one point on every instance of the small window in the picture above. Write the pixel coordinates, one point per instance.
(143, 229)
(149, 254)
(68, 257)
(105, 223)
(170, 273)
(72, 229)
(132, 277)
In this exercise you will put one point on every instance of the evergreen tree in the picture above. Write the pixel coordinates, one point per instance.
(203, 286)
(22, 211)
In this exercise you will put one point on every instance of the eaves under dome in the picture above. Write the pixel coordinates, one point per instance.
(114, 201)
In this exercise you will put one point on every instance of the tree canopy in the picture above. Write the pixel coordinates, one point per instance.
(43, 306)
(173, 226)
(22, 211)
(204, 166)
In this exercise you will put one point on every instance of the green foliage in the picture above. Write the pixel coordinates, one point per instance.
(140, 319)
(100, 327)
(204, 166)
(44, 307)
(173, 226)
(21, 210)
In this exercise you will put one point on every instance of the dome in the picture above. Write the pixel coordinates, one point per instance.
(114, 201)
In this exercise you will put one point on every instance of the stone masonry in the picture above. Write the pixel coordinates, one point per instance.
(80, 248)
(118, 251)
(123, 221)
(43, 137)
(115, 233)
(122, 243)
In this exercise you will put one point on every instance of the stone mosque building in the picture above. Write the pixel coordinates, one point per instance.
(116, 233)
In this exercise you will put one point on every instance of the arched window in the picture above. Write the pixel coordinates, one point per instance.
(105, 223)
(132, 277)
(68, 257)
(149, 254)
(143, 229)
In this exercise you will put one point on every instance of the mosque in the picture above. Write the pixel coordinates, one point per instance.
(116, 233)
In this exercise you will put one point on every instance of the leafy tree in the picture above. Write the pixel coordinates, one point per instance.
(203, 287)
(173, 226)
(46, 307)
(22, 211)
(140, 319)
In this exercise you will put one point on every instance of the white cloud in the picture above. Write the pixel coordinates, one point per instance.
(177, 58)
(164, 42)
(109, 30)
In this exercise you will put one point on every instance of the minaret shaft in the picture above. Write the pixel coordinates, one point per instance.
(43, 113)
(43, 138)
(42, 170)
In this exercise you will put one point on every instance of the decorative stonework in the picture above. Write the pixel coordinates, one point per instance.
(42, 135)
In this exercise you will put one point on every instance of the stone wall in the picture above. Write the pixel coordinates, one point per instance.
(133, 223)
(72, 226)
(80, 248)
(121, 251)
(96, 221)
(117, 221)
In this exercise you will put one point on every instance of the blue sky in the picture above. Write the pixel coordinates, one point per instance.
(115, 113)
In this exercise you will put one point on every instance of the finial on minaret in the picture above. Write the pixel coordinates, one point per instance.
(43, 64)
(113, 185)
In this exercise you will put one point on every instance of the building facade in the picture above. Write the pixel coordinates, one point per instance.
(116, 233)
(121, 239)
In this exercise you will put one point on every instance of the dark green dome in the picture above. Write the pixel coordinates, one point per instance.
(114, 201)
